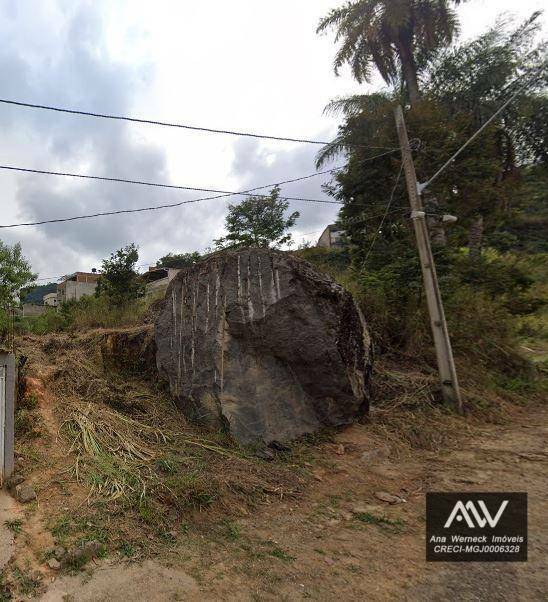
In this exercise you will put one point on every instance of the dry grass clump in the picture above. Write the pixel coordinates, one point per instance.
(131, 448)
(408, 410)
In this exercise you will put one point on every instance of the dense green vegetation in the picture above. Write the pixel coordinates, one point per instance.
(488, 262)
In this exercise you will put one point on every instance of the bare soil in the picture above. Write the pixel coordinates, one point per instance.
(310, 525)
(317, 548)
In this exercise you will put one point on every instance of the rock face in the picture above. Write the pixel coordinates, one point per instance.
(258, 342)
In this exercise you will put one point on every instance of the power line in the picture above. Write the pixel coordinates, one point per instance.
(162, 185)
(153, 208)
(422, 186)
(169, 124)
(222, 193)
(384, 215)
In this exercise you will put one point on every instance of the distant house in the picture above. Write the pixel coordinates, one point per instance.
(158, 278)
(50, 299)
(76, 286)
(331, 237)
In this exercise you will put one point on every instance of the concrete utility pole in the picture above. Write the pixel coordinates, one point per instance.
(444, 353)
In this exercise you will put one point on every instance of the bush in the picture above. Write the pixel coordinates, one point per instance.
(88, 312)
(483, 301)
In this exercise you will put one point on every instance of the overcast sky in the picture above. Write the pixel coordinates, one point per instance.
(246, 65)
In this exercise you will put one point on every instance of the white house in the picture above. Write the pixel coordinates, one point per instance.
(50, 300)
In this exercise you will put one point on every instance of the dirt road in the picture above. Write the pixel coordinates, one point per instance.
(318, 548)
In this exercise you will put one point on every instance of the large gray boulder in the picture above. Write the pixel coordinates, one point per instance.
(258, 342)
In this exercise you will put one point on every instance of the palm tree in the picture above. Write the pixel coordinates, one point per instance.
(395, 36)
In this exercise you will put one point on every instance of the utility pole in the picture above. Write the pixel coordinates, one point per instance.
(444, 353)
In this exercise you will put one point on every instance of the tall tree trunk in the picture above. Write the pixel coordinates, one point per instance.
(409, 69)
(475, 237)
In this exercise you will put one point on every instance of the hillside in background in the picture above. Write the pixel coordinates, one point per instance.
(37, 294)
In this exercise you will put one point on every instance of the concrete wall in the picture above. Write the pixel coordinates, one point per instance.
(330, 238)
(72, 290)
(325, 239)
(31, 309)
(156, 285)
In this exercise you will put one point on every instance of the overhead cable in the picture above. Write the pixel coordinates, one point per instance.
(169, 124)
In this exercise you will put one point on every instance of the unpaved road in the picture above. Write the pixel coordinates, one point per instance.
(315, 547)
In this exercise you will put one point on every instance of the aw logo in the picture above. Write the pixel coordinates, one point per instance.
(474, 518)
(470, 526)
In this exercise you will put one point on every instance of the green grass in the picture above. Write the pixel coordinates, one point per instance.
(61, 528)
(27, 583)
(382, 521)
(232, 530)
(281, 555)
(15, 526)
(127, 549)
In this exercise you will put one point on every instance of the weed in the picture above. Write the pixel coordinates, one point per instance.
(184, 528)
(29, 402)
(281, 554)
(233, 531)
(61, 528)
(382, 521)
(127, 549)
(27, 424)
(15, 526)
(27, 583)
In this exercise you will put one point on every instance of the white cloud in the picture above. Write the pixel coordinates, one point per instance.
(242, 65)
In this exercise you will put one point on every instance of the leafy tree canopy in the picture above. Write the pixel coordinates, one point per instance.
(15, 273)
(35, 294)
(463, 87)
(178, 260)
(258, 222)
(395, 37)
(119, 282)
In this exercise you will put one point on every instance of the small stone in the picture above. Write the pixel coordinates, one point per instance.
(83, 553)
(14, 480)
(54, 564)
(59, 552)
(339, 449)
(388, 497)
(25, 493)
(279, 446)
(265, 454)
(346, 515)
(329, 560)
(373, 455)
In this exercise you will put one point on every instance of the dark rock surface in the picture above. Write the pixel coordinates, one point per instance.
(130, 349)
(259, 342)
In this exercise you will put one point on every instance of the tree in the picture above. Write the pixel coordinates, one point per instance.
(258, 222)
(119, 282)
(396, 37)
(463, 87)
(178, 260)
(15, 273)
